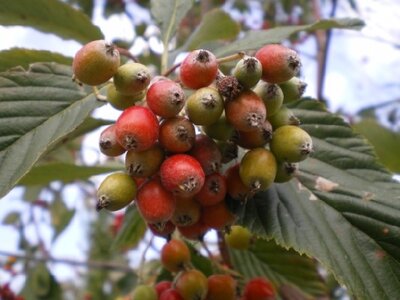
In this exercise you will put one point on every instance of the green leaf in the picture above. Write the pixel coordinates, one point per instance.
(50, 16)
(386, 142)
(43, 174)
(168, 16)
(61, 216)
(88, 125)
(255, 39)
(38, 107)
(132, 231)
(281, 266)
(343, 208)
(215, 25)
(24, 57)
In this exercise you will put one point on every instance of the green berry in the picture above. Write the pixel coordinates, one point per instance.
(284, 116)
(248, 71)
(272, 96)
(132, 78)
(291, 144)
(145, 292)
(116, 191)
(293, 89)
(286, 171)
(220, 130)
(238, 238)
(120, 101)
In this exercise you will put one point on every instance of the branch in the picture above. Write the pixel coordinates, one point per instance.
(88, 264)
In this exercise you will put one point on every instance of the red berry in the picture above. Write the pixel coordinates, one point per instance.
(108, 143)
(177, 135)
(162, 229)
(162, 286)
(187, 212)
(144, 163)
(213, 191)
(198, 69)
(182, 174)
(195, 231)
(165, 98)
(192, 285)
(259, 288)
(154, 202)
(279, 63)
(256, 138)
(221, 287)
(207, 153)
(235, 186)
(171, 294)
(217, 216)
(137, 128)
(175, 255)
(246, 112)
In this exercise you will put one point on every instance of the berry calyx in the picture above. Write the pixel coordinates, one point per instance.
(177, 134)
(248, 71)
(187, 212)
(144, 163)
(286, 171)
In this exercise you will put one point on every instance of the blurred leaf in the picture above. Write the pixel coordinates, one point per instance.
(200, 262)
(132, 231)
(43, 174)
(255, 39)
(38, 108)
(87, 126)
(40, 284)
(342, 209)
(281, 266)
(386, 142)
(126, 283)
(12, 218)
(168, 16)
(215, 25)
(61, 216)
(85, 5)
(32, 193)
(50, 16)
(24, 57)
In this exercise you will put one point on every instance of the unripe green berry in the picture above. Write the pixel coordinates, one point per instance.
(286, 171)
(205, 106)
(96, 62)
(284, 116)
(293, 89)
(132, 78)
(220, 130)
(271, 94)
(258, 169)
(120, 101)
(145, 292)
(116, 191)
(291, 144)
(238, 238)
(248, 71)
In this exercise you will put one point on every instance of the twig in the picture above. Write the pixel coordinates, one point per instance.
(172, 69)
(89, 264)
(232, 57)
(143, 258)
(99, 96)
(223, 249)
(127, 54)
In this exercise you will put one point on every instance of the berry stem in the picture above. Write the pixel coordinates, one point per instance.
(99, 96)
(172, 69)
(232, 57)
(127, 54)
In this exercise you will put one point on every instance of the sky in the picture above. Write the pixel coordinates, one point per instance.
(363, 69)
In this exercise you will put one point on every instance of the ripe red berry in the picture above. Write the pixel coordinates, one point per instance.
(217, 216)
(163, 230)
(162, 286)
(137, 128)
(182, 174)
(175, 255)
(171, 294)
(108, 143)
(177, 135)
(187, 212)
(221, 287)
(195, 231)
(165, 98)
(207, 153)
(246, 112)
(198, 69)
(256, 138)
(213, 191)
(259, 288)
(235, 186)
(96, 62)
(155, 203)
(279, 63)
(192, 285)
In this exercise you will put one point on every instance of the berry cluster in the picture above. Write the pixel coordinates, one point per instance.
(190, 284)
(7, 294)
(179, 136)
